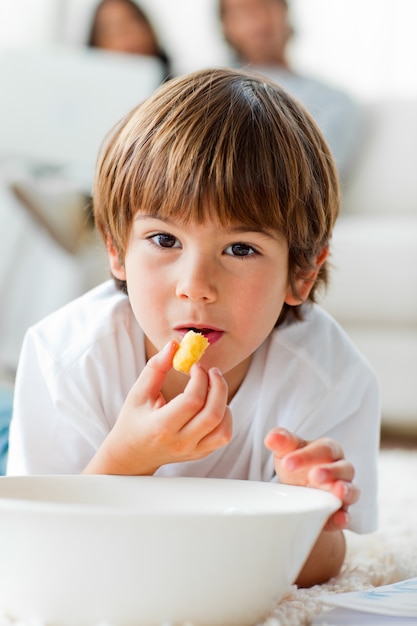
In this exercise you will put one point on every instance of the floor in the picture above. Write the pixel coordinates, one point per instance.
(401, 440)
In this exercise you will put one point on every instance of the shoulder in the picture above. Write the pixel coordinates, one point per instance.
(323, 89)
(317, 94)
(319, 345)
(94, 311)
(95, 318)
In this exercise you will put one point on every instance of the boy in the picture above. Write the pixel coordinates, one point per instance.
(216, 199)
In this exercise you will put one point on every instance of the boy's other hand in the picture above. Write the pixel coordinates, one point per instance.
(320, 464)
(151, 432)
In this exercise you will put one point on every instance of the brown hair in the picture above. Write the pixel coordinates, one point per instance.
(229, 142)
(221, 6)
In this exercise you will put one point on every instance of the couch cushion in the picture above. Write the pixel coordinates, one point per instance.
(374, 273)
(383, 179)
(392, 353)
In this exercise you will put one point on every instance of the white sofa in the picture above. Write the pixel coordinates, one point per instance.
(373, 292)
(48, 148)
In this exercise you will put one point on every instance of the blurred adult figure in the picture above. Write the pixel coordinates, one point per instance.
(258, 33)
(123, 26)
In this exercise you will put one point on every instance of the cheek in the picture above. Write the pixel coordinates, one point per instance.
(146, 292)
(262, 303)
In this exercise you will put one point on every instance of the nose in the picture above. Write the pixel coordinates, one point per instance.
(196, 281)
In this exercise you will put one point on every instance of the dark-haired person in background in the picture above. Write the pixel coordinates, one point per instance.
(123, 26)
(258, 33)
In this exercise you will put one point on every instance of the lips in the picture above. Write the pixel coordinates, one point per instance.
(212, 334)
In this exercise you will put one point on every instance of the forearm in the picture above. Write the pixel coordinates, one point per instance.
(325, 559)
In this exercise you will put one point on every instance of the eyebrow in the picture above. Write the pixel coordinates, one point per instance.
(245, 229)
(152, 216)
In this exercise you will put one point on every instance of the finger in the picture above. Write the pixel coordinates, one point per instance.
(346, 491)
(200, 411)
(338, 470)
(281, 442)
(318, 452)
(338, 521)
(152, 377)
(186, 405)
(219, 436)
(213, 411)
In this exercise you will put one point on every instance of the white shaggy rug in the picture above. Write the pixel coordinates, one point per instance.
(381, 558)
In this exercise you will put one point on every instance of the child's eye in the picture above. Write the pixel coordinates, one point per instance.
(165, 240)
(240, 249)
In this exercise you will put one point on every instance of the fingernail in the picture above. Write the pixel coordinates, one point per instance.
(321, 476)
(216, 371)
(289, 464)
(346, 489)
(168, 346)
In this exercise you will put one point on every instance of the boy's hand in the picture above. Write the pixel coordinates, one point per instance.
(319, 464)
(151, 432)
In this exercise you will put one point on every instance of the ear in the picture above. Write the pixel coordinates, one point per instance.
(304, 283)
(116, 265)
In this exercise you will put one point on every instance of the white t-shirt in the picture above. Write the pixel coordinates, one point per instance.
(78, 365)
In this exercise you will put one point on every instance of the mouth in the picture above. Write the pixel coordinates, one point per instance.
(212, 334)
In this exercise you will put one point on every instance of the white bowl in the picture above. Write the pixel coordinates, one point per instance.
(136, 551)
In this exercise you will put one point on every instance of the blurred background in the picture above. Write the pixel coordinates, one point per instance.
(369, 46)
(57, 103)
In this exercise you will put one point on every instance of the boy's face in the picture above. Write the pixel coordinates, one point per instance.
(229, 283)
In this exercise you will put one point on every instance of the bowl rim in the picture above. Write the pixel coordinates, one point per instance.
(327, 502)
